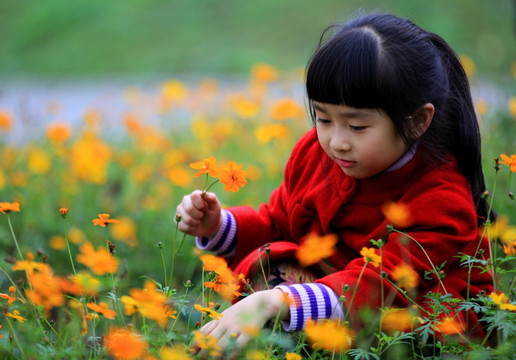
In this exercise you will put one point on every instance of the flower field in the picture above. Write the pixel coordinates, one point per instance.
(93, 266)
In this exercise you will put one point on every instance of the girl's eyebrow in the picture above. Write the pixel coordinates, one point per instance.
(347, 114)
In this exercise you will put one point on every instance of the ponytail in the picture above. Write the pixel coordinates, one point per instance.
(460, 111)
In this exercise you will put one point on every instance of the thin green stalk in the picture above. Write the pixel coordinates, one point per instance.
(263, 272)
(15, 336)
(68, 246)
(14, 237)
(164, 264)
(424, 252)
(355, 290)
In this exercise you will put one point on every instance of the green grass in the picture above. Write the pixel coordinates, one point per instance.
(95, 37)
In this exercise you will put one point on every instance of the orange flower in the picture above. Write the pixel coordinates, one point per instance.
(283, 109)
(405, 277)
(58, 132)
(329, 335)
(104, 220)
(314, 248)
(102, 308)
(63, 212)
(5, 120)
(233, 177)
(509, 161)
(10, 298)
(149, 302)
(398, 214)
(124, 344)
(207, 166)
(264, 72)
(208, 311)
(449, 326)
(369, 255)
(45, 289)
(226, 283)
(397, 320)
(100, 262)
(6, 207)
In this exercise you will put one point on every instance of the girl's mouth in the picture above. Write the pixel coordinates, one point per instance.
(345, 163)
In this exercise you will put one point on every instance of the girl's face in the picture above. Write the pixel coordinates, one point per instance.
(363, 142)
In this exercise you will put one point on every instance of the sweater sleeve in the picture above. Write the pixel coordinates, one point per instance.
(224, 242)
(310, 301)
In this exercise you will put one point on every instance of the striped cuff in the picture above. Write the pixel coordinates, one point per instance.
(310, 301)
(224, 243)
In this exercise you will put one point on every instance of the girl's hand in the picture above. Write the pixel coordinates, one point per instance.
(200, 216)
(252, 313)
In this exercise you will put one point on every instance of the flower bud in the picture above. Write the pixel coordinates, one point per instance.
(63, 212)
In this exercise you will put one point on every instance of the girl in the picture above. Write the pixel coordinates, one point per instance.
(394, 122)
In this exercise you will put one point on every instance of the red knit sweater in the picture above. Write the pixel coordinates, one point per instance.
(316, 195)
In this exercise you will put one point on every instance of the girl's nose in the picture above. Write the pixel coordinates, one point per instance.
(339, 141)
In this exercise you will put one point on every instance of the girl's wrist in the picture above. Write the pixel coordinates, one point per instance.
(278, 301)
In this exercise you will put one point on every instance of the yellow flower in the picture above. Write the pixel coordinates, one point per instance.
(369, 255)
(243, 107)
(209, 311)
(467, 64)
(293, 356)
(57, 242)
(125, 231)
(207, 342)
(329, 335)
(509, 161)
(39, 162)
(405, 277)
(178, 352)
(314, 248)
(16, 316)
(397, 213)
(512, 106)
(397, 320)
(174, 90)
(502, 301)
(268, 132)
(233, 177)
(256, 355)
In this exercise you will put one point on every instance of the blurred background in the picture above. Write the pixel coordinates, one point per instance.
(103, 105)
(95, 38)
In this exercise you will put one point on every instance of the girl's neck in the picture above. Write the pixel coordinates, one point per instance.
(402, 161)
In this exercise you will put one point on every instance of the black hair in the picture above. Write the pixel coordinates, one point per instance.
(386, 62)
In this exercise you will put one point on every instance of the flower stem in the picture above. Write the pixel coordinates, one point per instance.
(68, 247)
(14, 238)
(355, 290)
(15, 336)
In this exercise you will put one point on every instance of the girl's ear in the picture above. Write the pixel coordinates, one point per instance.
(422, 119)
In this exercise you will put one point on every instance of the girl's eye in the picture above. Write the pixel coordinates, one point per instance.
(323, 121)
(357, 128)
